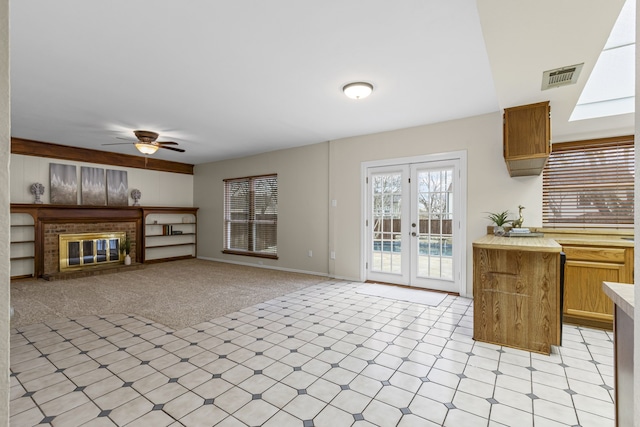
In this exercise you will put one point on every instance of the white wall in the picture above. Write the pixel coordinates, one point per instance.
(302, 206)
(310, 177)
(158, 188)
(5, 144)
(490, 188)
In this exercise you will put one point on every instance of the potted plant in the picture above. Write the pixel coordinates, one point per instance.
(500, 219)
(125, 248)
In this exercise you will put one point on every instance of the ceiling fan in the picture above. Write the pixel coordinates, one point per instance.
(147, 144)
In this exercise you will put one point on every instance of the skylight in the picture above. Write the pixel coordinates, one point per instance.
(610, 89)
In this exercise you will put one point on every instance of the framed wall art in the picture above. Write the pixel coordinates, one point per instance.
(117, 188)
(63, 184)
(93, 190)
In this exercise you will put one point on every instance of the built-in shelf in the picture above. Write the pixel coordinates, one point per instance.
(170, 235)
(169, 245)
(28, 222)
(172, 224)
(18, 258)
(22, 245)
(163, 243)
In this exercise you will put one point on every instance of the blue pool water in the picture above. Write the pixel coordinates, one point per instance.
(425, 248)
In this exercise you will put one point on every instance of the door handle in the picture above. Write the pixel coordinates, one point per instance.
(414, 234)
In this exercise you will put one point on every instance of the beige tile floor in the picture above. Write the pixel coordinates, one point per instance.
(322, 356)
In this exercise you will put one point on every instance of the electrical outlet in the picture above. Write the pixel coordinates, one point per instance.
(332, 254)
(310, 253)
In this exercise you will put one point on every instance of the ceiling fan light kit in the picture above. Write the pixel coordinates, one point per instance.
(146, 148)
(358, 90)
(147, 144)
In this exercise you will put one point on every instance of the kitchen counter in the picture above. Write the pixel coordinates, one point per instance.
(516, 292)
(570, 236)
(592, 256)
(537, 244)
(615, 238)
(622, 296)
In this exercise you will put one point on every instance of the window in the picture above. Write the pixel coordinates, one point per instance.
(589, 184)
(251, 216)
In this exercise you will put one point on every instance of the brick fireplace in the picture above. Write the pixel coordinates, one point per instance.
(49, 221)
(52, 220)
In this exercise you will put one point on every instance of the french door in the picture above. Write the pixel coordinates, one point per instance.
(413, 224)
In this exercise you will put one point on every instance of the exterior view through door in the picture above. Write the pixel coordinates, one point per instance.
(413, 224)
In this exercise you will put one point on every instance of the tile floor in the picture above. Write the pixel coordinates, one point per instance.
(322, 356)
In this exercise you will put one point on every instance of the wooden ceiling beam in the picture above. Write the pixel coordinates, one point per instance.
(29, 147)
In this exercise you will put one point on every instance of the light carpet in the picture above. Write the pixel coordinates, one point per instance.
(177, 294)
(418, 296)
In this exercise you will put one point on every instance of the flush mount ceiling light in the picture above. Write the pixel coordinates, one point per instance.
(146, 148)
(358, 90)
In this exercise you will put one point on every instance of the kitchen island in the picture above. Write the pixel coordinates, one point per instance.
(516, 291)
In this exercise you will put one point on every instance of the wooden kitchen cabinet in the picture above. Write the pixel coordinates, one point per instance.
(516, 292)
(587, 266)
(527, 138)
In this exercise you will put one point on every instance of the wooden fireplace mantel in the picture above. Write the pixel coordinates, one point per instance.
(79, 212)
(60, 214)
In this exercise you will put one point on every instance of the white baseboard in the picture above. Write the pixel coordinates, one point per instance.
(269, 267)
(347, 279)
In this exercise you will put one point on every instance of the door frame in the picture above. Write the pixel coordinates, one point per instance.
(461, 251)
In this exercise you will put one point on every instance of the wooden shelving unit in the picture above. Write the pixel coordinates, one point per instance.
(170, 234)
(22, 246)
(28, 223)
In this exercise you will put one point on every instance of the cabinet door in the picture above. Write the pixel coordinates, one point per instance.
(526, 131)
(583, 295)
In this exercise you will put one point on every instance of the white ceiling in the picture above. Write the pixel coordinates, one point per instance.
(232, 78)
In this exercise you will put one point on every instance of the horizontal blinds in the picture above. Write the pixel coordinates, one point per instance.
(251, 214)
(590, 184)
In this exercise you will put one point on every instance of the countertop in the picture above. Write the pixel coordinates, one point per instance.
(536, 244)
(614, 238)
(621, 294)
(576, 236)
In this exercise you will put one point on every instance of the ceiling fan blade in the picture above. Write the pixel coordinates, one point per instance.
(179, 150)
(118, 143)
(166, 143)
(126, 139)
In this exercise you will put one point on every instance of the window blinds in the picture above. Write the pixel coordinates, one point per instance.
(251, 215)
(590, 184)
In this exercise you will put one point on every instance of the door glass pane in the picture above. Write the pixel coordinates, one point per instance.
(387, 224)
(435, 213)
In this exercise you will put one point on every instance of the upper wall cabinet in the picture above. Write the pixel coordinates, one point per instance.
(527, 138)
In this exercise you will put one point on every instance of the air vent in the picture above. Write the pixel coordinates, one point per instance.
(561, 76)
